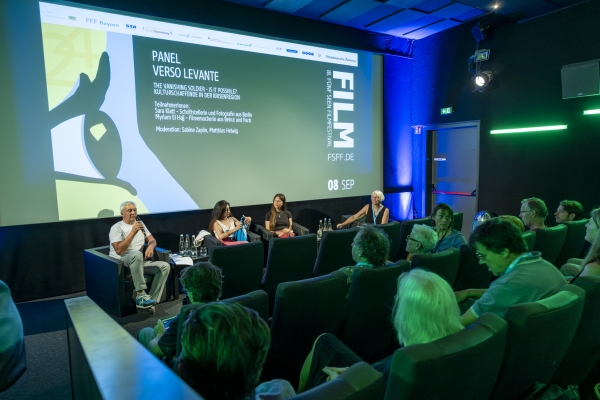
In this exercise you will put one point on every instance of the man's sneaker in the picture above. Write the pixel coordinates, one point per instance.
(144, 300)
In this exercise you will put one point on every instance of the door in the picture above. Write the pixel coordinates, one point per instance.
(454, 166)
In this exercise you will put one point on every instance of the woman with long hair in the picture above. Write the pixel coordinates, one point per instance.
(591, 263)
(279, 220)
(223, 225)
(425, 309)
(575, 266)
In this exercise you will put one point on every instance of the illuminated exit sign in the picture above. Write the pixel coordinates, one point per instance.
(447, 110)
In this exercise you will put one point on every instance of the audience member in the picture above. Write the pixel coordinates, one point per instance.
(443, 219)
(533, 213)
(591, 263)
(522, 277)
(421, 240)
(374, 213)
(224, 225)
(425, 310)
(370, 249)
(515, 220)
(279, 219)
(127, 239)
(223, 349)
(12, 345)
(574, 266)
(203, 282)
(568, 210)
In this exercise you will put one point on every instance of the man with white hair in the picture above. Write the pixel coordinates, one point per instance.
(421, 240)
(127, 238)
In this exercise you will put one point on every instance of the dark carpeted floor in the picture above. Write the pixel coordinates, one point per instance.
(44, 322)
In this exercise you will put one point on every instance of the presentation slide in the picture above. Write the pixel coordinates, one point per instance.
(177, 117)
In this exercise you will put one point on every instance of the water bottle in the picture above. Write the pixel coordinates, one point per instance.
(320, 231)
(194, 248)
(181, 246)
(187, 245)
(329, 227)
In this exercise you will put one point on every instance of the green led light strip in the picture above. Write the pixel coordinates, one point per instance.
(534, 129)
(590, 112)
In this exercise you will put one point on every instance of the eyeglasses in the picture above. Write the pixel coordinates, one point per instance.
(409, 238)
(523, 212)
(480, 256)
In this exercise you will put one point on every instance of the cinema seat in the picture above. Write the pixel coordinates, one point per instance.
(463, 365)
(539, 334)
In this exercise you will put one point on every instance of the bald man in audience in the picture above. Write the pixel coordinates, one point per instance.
(568, 210)
(523, 276)
(533, 213)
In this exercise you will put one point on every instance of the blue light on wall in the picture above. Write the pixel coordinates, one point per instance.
(397, 136)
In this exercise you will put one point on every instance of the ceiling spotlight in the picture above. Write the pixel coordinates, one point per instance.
(483, 78)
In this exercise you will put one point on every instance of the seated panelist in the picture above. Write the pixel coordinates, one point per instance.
(127, 239)
(223, 225)
(279, 219)
(376, 213)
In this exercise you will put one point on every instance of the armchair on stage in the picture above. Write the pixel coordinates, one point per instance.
(109, 284)
(267, 235)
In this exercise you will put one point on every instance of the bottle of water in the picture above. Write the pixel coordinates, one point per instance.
(329, 227)
(320, 231)
(187, 245)
(194, 248)
(181, 246)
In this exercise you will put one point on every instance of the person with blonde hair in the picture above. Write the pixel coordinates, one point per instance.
(515, 220)
(374, 213)
(425, 310)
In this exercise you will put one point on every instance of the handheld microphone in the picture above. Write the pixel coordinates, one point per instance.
(143, 230)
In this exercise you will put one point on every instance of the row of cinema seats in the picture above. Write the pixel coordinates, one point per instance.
(116, 366)
(550, 341)
(109, 283)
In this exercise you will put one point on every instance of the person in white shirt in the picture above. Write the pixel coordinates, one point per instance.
(127, 238)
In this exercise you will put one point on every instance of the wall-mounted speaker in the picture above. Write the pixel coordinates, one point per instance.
(581, 79)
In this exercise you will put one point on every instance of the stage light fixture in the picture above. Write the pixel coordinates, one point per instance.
(483, 78)
(480, 31)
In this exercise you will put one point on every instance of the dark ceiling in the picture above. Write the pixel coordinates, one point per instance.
(408, 19)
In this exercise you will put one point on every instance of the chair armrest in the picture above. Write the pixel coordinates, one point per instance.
(264, 232)
(253, 237)
(211, 241)
(299, 230)
(161, 254)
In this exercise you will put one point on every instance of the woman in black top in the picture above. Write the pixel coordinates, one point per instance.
(376, 213)
(279, 219)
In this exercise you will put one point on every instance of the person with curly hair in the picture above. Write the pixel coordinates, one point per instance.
(370, 249)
